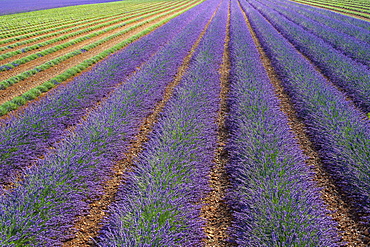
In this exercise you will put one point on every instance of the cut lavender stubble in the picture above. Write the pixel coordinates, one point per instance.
(43, 207)
(339, 131)
(26, 136)
(274, 199)
(158, 205)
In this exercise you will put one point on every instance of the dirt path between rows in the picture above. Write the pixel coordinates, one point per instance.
(41, 60)
(33, 81)
(338, 11)
(62, 23)
(89, 225)
(340, 211)
(98, 22)
(216, 210)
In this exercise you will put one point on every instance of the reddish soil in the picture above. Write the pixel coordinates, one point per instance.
(348, 229)
(89, 225)
(102, 21)
(216, 212)
(41, 77)
(27, 66)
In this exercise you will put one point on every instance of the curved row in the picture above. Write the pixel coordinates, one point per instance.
(339, 131)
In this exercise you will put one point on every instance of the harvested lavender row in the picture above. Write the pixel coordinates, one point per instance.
(44, 205)
(274, 199)
(26, 136)
(353, 77)
(336, 16)
(348, 45)
(314, 14)
(339, 131)
(159, 203)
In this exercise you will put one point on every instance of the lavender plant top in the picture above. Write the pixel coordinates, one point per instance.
(27, 136)
(340, 132)
(157, 205)
(41, 210)
(274, 200)
(19, 6)
(348, 45)
(350, 75)
(361, 32)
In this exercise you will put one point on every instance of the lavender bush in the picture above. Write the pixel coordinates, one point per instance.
(25, 137)
(43, 207)
(340, 132)
(353, 77)
(159, 203)
(348, 45)
(274, 198)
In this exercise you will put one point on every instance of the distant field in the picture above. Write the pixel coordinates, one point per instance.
(41, 49)
(359, 8)
(18, 6)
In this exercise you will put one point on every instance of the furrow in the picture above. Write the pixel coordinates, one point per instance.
(216, 211)
(62, 68)
(330, 125)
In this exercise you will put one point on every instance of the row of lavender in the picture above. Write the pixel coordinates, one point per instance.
(340, 132)
(274, 201)
(353, 75)
(25, 137)
(347, 44)
(159, 204)
(43, 207)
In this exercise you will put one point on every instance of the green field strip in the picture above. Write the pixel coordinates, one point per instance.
(8, 82)
(37, 27)
(342, 10)
(66, 13)
(87, 28)
(40, 31)
(33, 93)
(72, 27)
(26, 74)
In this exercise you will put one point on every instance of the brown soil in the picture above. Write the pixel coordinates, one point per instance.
(216, 211)
(348, 229)
(338, 11)
(98, 22)
(61, 24)
(88, 226)
(32, 64)
(41, 77)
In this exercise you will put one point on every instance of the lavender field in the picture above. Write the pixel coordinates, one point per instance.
(185, 123)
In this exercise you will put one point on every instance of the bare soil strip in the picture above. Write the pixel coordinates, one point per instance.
(41, 77)
(334, 10)
(216, 211)
(348, 229)
(62, 23)
(83, 26)
(88, 226)
(27, 66)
